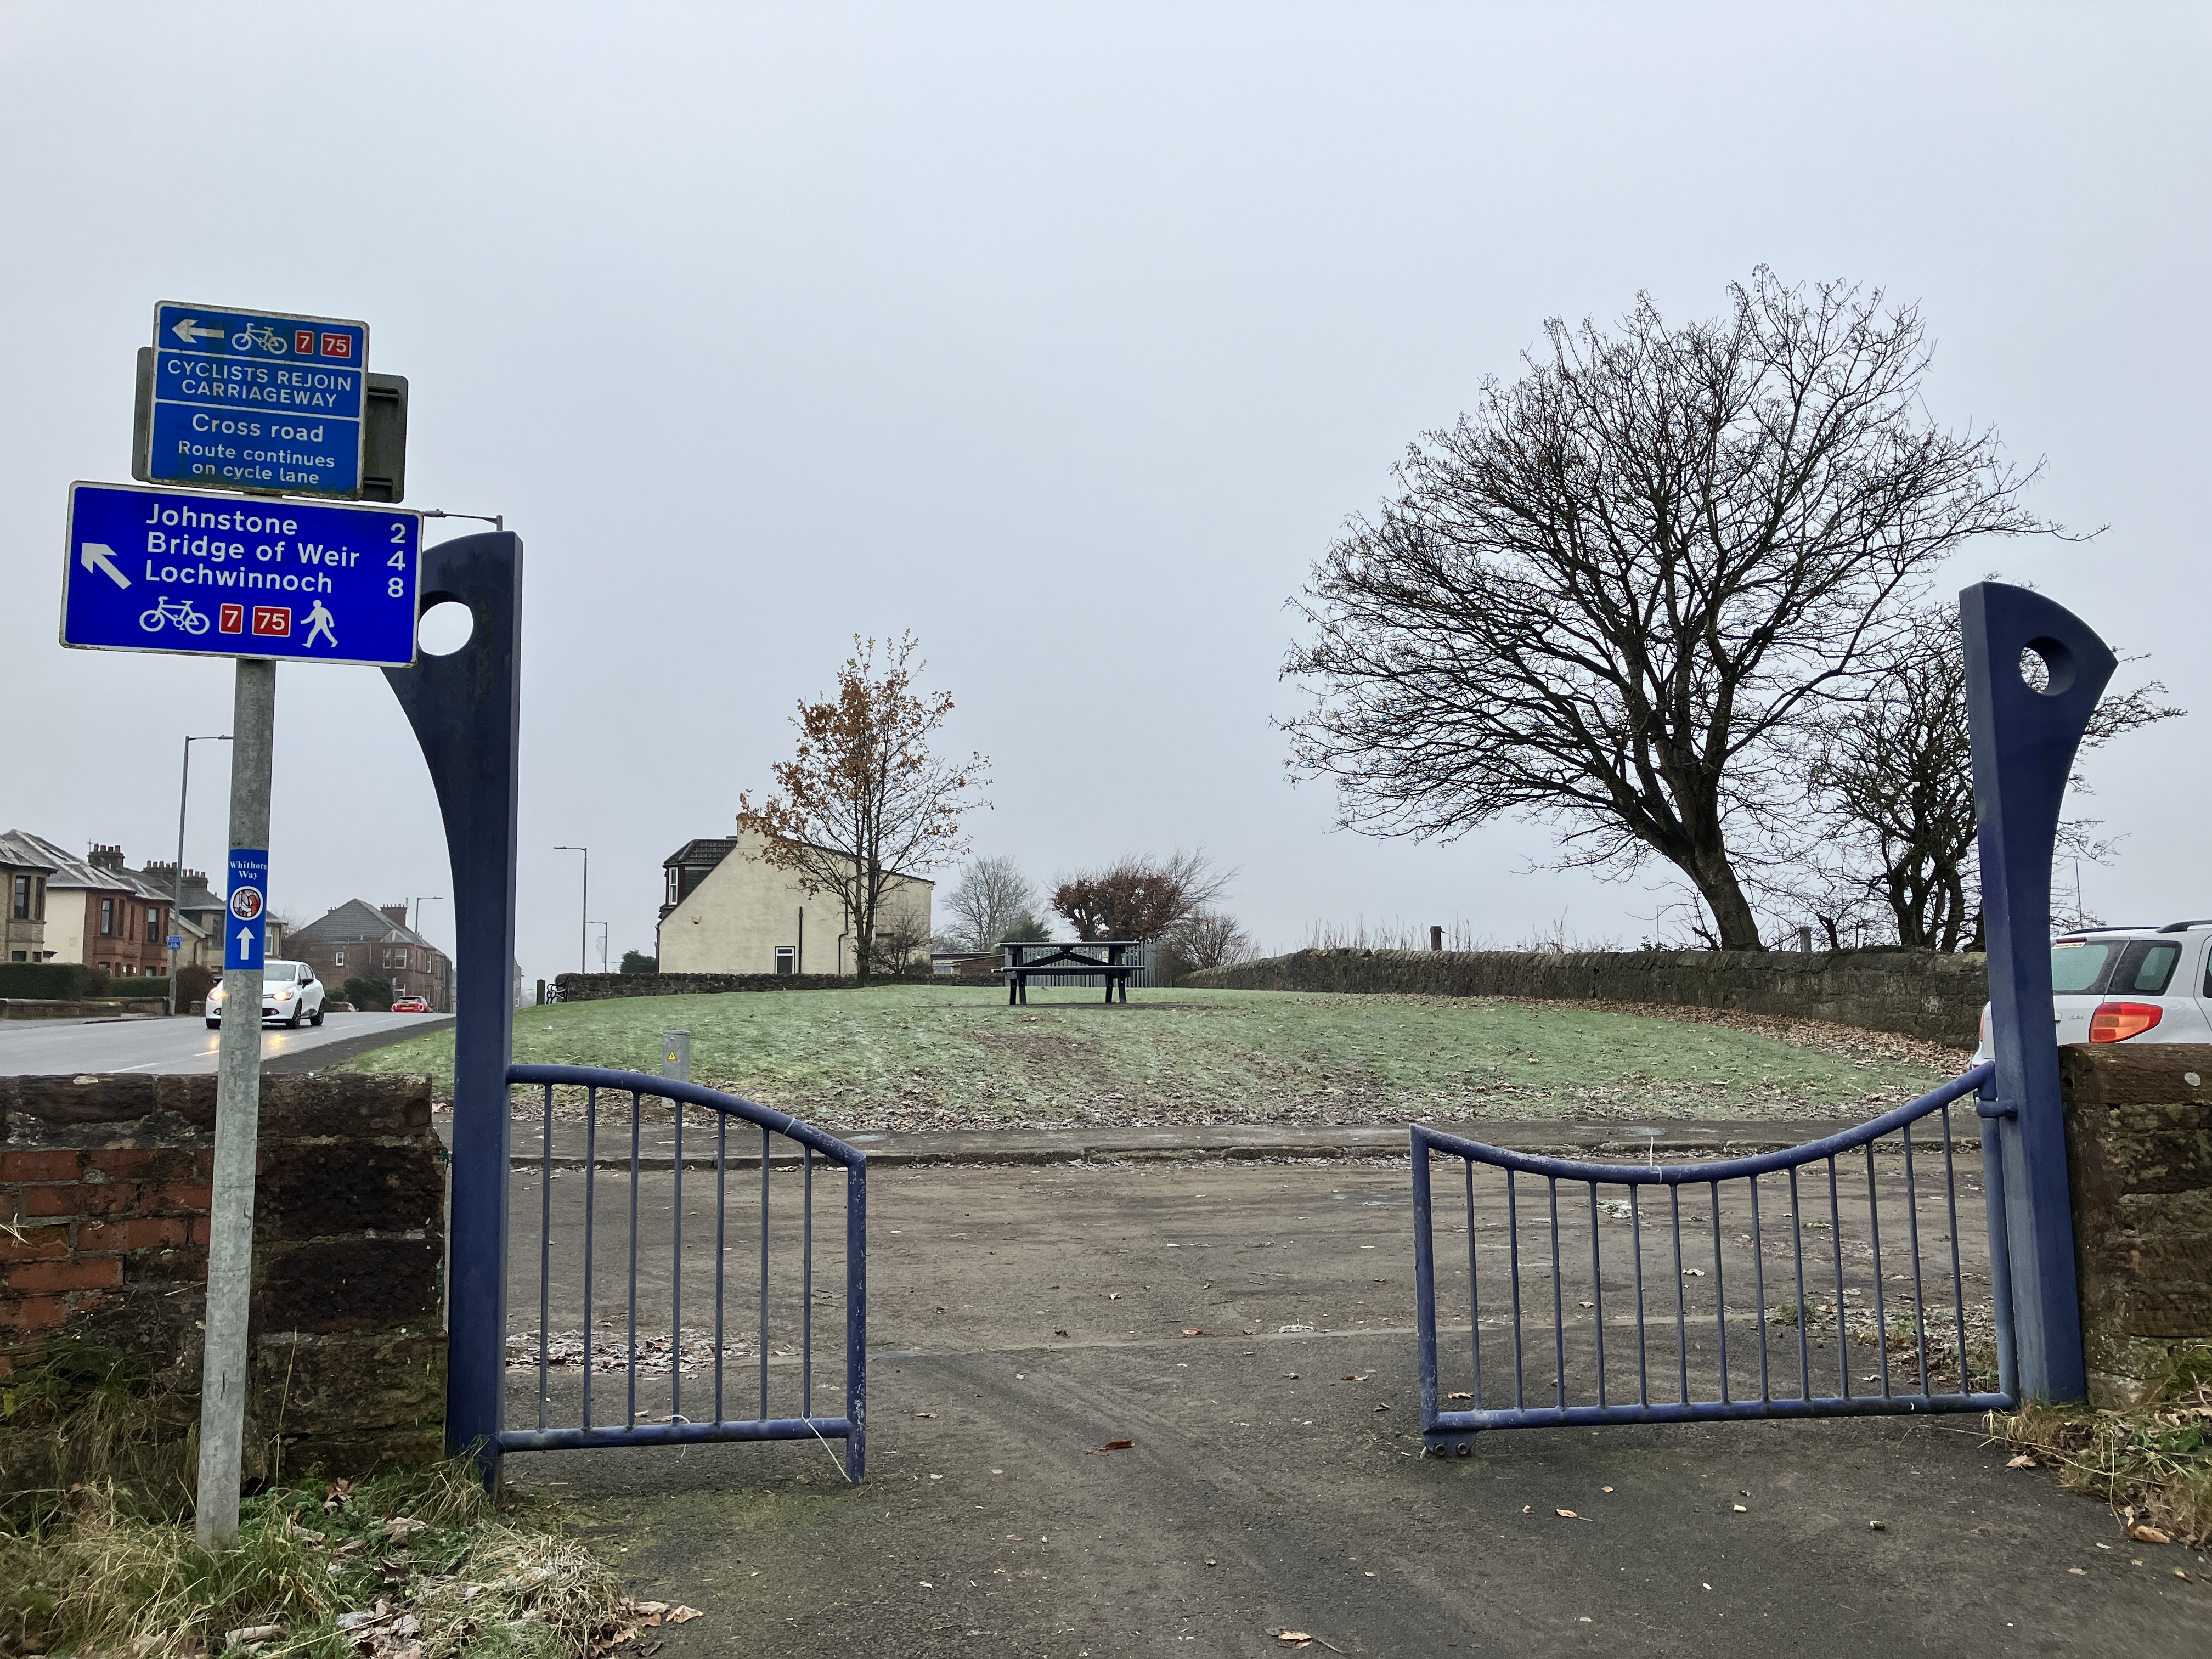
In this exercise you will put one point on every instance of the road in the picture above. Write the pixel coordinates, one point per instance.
(55, 1047)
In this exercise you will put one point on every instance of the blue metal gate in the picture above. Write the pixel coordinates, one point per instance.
(740, 1320)
(2035, 672)
(1886, 1266)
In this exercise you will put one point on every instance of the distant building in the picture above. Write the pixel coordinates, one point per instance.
(360, 940)
(23, 872)
(97, 912)
(730, 911)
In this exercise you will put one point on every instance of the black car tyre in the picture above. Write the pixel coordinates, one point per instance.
(293, 1024)
(317, 1018)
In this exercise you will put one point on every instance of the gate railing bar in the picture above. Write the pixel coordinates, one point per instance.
(1427, 1143)
(851, 1426)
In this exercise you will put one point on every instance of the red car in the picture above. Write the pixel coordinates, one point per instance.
(409, 1005)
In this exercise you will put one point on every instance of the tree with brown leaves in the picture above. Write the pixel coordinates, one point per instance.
(865, 800)
(1140, 898)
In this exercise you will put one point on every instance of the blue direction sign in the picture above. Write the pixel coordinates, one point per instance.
(229, 576)
(257, 400)
(247, 926)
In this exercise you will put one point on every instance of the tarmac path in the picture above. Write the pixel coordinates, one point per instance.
(1023, 1319)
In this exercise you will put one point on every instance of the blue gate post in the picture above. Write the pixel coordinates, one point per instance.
(2024, 744)
(466, 712)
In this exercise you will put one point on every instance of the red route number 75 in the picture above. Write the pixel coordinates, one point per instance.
(273, 619)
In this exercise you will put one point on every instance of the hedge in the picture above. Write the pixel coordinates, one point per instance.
(60, 982)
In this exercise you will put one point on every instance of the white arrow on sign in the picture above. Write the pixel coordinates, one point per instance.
(98, 555)
(245, 941)
(192, 329)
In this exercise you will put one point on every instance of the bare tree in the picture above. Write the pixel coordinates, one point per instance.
(1893, 777)
(1211, 939)
(991, 898)
(1139, 898)
(1607, 597)
(865, 800)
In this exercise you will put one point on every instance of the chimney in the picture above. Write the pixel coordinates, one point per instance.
(395, 914)
(105, 858)
(160, 870)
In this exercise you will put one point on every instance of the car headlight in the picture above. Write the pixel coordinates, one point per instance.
(284, 996)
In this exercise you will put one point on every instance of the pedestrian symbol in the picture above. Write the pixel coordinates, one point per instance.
(319, 620)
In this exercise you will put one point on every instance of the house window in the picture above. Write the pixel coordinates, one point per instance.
(21, 909)
(402, 963)
(338, 958)
(107, 919)
(675, 886)
(153, 925)
(787, 959)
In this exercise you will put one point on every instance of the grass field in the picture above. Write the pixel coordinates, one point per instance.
(945, 1055)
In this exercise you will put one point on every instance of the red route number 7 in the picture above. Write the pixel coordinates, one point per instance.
(273, 619)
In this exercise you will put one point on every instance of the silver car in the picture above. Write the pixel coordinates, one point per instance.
(290, 994)
(2121, 984)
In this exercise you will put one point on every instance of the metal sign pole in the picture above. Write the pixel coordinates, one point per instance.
(237, 1128)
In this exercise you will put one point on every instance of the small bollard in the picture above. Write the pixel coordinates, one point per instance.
(675, 1055)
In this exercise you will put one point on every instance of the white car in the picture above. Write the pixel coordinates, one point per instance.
(2118, 984)
(289, 992)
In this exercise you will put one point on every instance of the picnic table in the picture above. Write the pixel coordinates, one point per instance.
(1035, 958)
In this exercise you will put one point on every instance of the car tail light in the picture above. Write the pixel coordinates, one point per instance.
(2116, 1022)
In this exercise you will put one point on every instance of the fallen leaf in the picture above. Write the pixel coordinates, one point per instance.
(2147, 1535)
(400, 1525)
(1113, 1296)
(1459, 1394)
(1351, 1378)
(1585, 1304)
(1115, 1445)
(1566, 1515)
(683, 1615)
(1292, 1636)
(1605, 1489)
(1740, 1509)
(2183, 1576)
(2078, 1573)
(653, 1609)
(1060, 1333)
(252, 1633)
(1290, 1376)
(1877, 1526)
(1210, 1561)
(925, 1413)
(1694, 1272)
(2022, 1461)
(1191, 1330)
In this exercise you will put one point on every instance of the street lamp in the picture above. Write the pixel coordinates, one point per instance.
(177, 897)
(422, 899)
(601, 927)
(584, 927)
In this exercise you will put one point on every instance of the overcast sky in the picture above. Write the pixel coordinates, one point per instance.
(1066, 336)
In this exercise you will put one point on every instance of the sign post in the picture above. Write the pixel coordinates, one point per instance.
(237, 1112)
(270, 405)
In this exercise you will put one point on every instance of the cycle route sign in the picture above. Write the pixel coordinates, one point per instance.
(257, 400)
(200, 576)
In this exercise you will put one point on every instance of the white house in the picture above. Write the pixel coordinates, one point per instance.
(728, 910)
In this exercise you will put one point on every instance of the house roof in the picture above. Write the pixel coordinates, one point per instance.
(708, 851)
(66, 872)
(17, 852)
(357, 922)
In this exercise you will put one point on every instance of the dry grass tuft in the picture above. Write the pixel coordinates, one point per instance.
(2151, 1462)
(409, 1564)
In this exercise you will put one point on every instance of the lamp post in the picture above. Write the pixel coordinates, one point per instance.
(422, 899)
(177, 897)
(583, 915)
(603, 928)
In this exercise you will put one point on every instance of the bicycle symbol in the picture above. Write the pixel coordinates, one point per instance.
(261, 335)
(179, 611)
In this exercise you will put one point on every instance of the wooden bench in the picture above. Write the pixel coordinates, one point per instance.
(1108, 958)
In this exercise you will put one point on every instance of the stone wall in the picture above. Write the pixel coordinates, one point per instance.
(597, 987)
(2139, 1144)
(1918, 993)
(105, 1181)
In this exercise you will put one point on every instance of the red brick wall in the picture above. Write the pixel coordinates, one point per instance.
(104, 1189)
